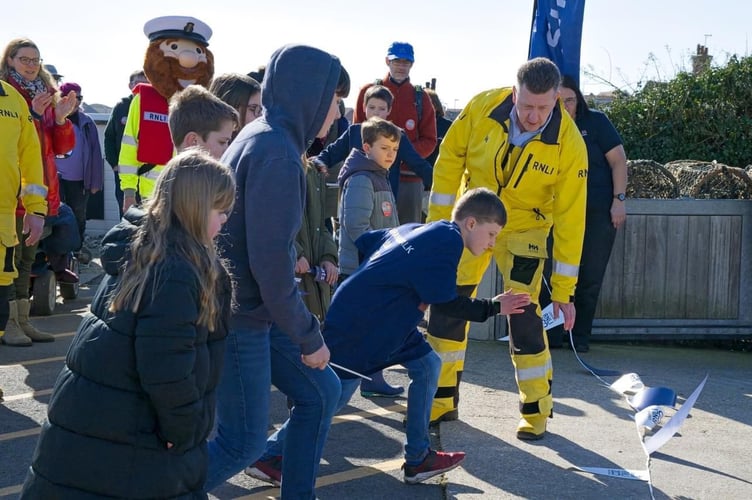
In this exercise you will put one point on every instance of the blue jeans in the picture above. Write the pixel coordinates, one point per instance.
(242, 405)
(424, 379)
(316, 393)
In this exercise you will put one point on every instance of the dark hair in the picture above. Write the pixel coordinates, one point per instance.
(538, 75)
(258, 75)
(482, 204)
(235, 89)
(376, 127)
(343, 85)
(437, 105)
(139, 73)
(379, 92)
(582, 105)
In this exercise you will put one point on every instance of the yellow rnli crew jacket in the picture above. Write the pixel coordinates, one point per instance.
(541, 184)
(20, 163)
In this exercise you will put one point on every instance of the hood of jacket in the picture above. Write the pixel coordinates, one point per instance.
(297, 91)
(116, 243)
(356, 162)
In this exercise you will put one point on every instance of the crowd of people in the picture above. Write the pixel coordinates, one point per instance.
(229, 272)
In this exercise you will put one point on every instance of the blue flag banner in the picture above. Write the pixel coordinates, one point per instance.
(556, 34)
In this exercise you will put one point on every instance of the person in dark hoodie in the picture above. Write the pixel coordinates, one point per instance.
(131, 410)
(273, 336)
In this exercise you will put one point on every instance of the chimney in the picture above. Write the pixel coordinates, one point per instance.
(701, 61)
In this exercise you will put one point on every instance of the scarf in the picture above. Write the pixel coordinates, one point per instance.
(32, 87)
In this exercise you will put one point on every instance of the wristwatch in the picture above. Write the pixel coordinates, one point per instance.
(620, 196)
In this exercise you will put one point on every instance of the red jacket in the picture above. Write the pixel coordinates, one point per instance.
(55, 140)
(404, 114)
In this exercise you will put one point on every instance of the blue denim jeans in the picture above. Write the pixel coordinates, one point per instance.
(316, 393)
(242, 405)
(424, 379)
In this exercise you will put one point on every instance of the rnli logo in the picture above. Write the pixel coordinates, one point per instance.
(542, 167)
(387, 208)
(410, 124)
(155, 117)
(8, 113)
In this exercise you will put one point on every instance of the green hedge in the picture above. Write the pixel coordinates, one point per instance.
(706, 116)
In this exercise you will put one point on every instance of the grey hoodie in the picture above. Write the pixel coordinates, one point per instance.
(259, 237)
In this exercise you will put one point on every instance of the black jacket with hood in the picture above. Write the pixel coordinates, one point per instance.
(266, 156)
(131, 383)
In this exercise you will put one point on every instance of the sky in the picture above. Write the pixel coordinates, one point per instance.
(468, 45)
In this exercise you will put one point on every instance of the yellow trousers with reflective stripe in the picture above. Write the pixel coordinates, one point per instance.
(520, 258)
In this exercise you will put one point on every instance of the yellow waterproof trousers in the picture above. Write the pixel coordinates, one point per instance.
(519, 257)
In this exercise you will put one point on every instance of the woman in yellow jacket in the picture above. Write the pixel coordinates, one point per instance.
(519, 143)
(21, 167)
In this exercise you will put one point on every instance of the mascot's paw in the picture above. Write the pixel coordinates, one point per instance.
(531, 427)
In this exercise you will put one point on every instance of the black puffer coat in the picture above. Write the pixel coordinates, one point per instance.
(131, 383)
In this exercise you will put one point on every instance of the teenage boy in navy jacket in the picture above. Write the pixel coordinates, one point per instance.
(372, 322)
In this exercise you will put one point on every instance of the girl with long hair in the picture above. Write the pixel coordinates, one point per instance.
(135, 400)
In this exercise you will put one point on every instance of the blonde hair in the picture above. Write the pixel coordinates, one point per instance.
(11, 50)
(175, 223)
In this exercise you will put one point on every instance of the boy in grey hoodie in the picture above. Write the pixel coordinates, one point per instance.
(367, 201)
(273, 337)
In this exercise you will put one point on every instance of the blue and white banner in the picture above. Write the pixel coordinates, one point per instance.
(556, 33)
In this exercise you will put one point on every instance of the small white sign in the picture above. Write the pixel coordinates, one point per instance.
(548, 317)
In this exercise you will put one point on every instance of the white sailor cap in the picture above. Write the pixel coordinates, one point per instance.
(185, 27)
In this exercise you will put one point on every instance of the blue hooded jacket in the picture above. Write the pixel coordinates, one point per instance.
(373, 319)
(266, 156)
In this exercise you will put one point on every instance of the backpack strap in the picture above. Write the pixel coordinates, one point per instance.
(419, 101)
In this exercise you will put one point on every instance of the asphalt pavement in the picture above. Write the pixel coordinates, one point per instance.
(593, 426)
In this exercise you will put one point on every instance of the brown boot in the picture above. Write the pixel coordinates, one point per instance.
(13, 335)
(24, 306)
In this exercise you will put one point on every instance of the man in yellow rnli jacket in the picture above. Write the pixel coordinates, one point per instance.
(22, 174)
(520, 143)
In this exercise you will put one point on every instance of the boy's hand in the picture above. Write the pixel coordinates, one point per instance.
(302, 266)
(511, 302)
(318, 359)
(332, 273)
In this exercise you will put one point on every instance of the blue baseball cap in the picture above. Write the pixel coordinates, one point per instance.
(400, 50)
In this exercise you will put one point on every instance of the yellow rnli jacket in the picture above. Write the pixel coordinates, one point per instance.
(20, 163)
(542, 184)
(131, 178)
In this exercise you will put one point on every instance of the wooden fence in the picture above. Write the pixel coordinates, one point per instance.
(679, 269)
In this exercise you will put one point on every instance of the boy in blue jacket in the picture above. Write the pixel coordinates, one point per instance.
(377, 102)
(372, 322)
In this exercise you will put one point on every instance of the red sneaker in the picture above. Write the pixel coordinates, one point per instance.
(268, 471)
(435, 463)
